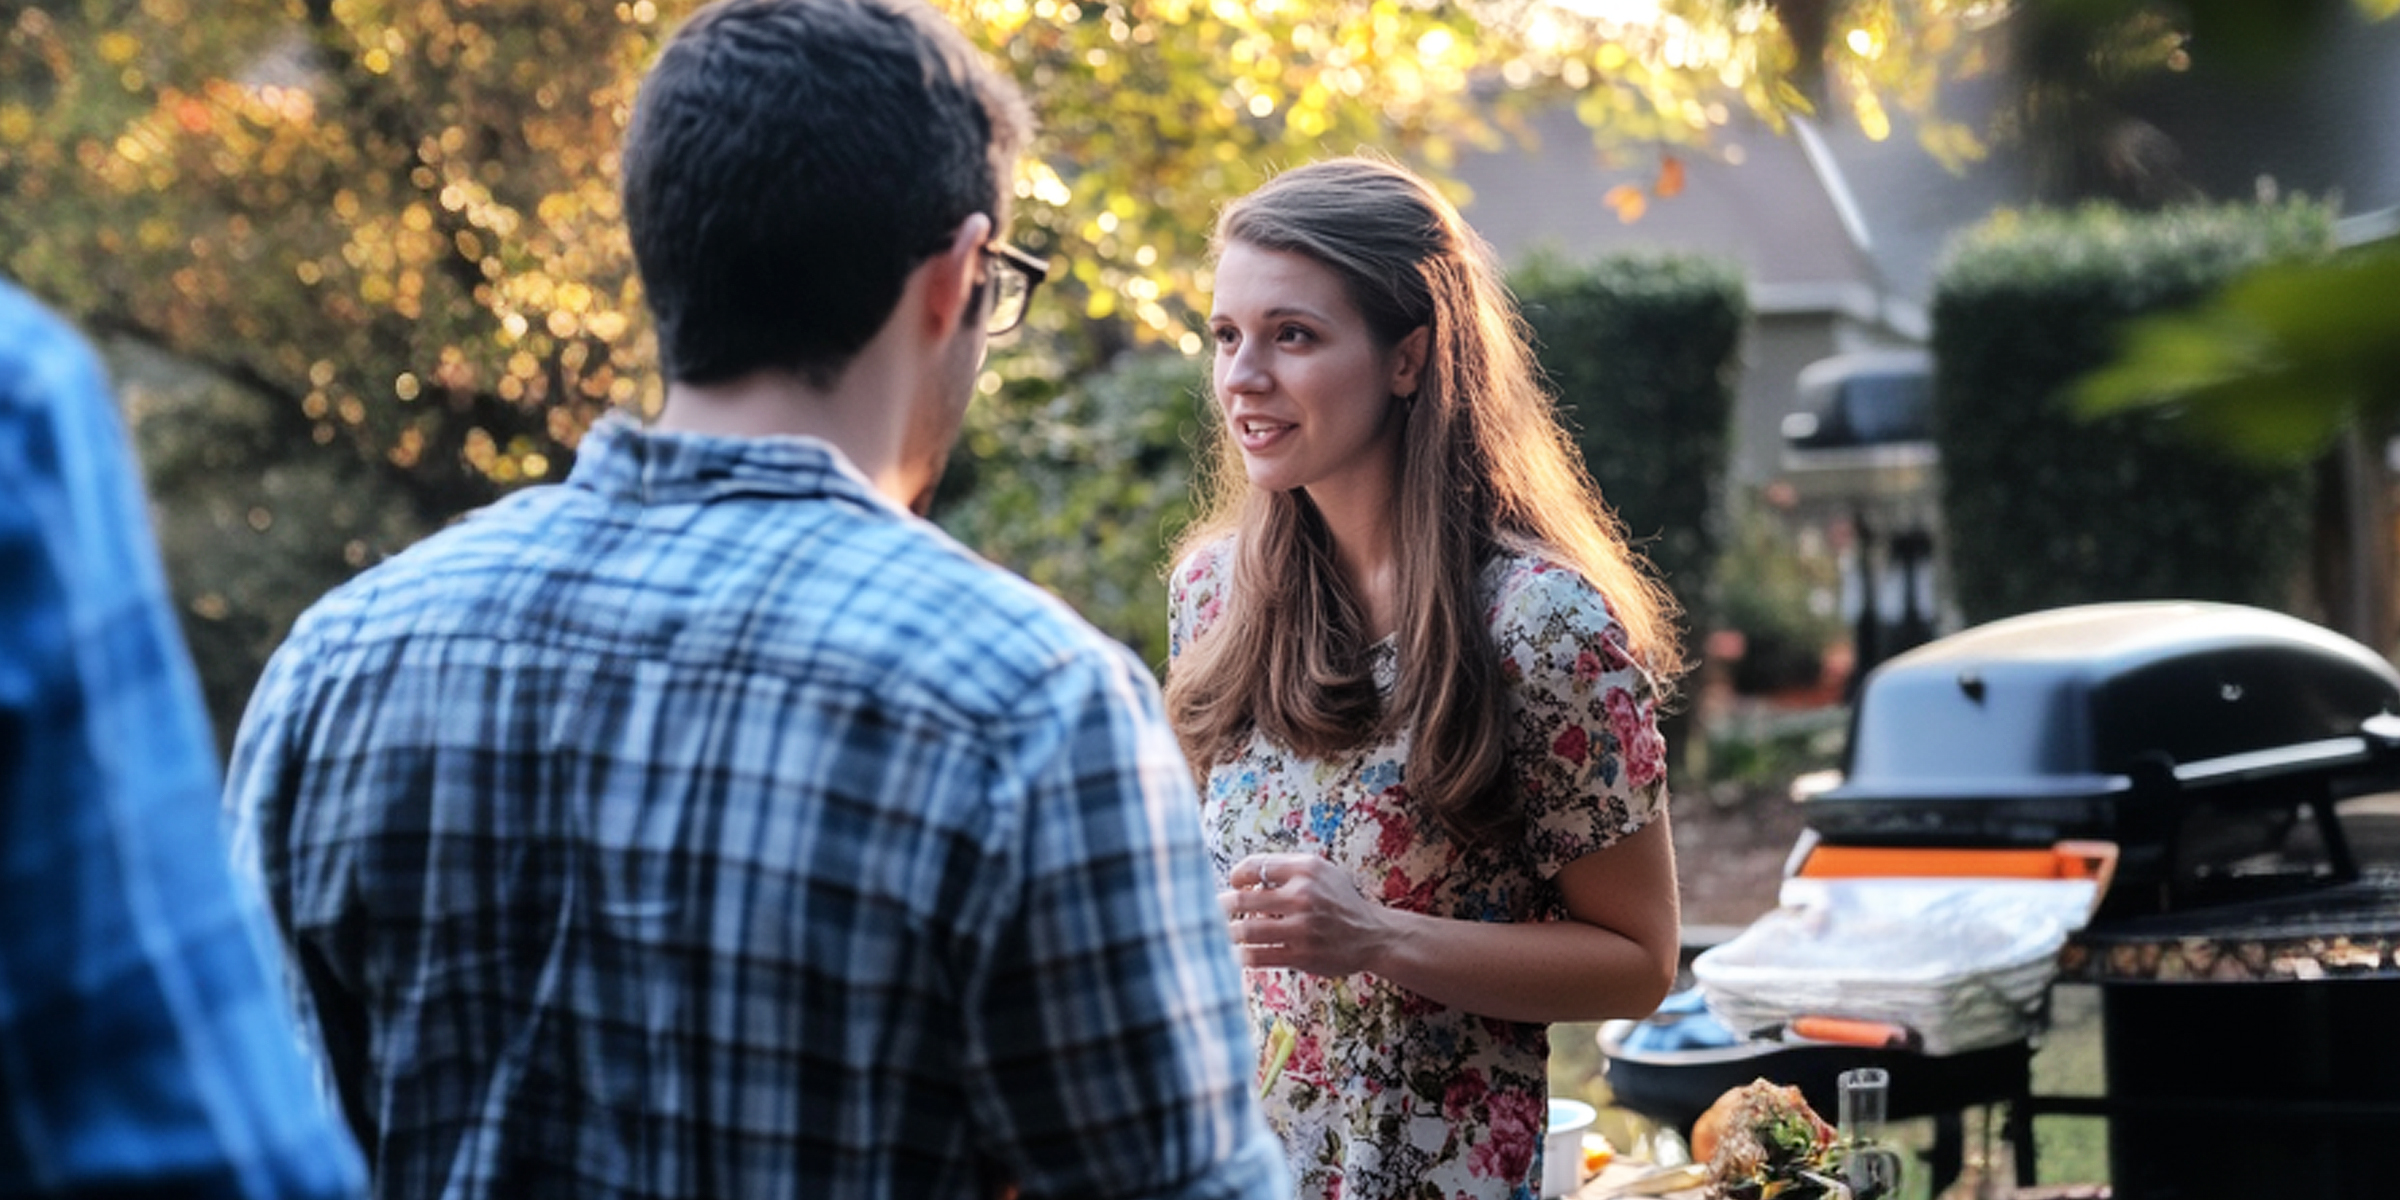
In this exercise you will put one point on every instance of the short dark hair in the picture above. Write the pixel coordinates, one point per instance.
(789, 162)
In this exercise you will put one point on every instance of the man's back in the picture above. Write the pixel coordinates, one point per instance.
(709, 827)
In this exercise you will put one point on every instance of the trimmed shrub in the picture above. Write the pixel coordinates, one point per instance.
(2043, 508)
(1642, 349)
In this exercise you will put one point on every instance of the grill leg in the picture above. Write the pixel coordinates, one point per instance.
(1947, 1156)
(2020, 1140)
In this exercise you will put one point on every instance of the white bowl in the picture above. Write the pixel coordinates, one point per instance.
(1562, 1146)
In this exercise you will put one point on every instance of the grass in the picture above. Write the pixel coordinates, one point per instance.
(2071, 1149)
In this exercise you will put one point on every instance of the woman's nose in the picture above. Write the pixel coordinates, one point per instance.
(1242, 370)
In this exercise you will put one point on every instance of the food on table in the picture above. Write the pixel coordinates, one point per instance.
(1762, 1141)
(1597, 1153)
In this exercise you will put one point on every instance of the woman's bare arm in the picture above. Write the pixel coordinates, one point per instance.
(1614, 956)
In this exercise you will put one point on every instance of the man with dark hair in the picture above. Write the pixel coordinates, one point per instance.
(143, 1048)
(711, 825)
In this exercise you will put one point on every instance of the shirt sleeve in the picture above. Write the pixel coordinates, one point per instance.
(262, 792)
(1583, 734)
(1108, 1030)
(143, 1048)
(1196, 594)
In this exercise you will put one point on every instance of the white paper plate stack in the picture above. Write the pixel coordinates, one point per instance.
(1965, 963)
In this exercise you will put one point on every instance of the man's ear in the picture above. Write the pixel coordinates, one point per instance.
(950, 277)
(1408, 360)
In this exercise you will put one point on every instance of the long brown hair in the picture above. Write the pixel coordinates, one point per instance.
(1485, 467)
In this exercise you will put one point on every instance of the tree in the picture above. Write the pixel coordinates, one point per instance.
(1082, 486)
(394, 221)
(389, 226)
(395, 218)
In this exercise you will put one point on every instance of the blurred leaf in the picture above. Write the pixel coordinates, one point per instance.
(1670, 178)
(1628, 202)
(2273, 366)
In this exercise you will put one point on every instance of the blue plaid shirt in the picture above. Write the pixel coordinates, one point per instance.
(145, 1049)
(710, 826)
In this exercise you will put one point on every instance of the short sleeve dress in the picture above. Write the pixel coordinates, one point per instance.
(1386, 1093)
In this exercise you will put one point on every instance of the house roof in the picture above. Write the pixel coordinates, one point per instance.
(1820, 217)
(1767, 211)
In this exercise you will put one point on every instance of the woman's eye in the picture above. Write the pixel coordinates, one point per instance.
(1224, 335)
(1294, 333)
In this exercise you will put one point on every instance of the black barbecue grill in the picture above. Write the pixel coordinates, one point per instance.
(2240, 763)
(2196, 737)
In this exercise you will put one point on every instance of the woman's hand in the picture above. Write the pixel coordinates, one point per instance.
(1613, 956)
(1300, 911)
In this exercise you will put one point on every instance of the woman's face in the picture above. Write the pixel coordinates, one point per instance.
(1305, 388)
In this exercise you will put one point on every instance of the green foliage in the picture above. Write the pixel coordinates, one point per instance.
(1763, 748)
(2272, 367)
(1081, 488)
(1642, 349)
(394, 222)
(2046, 509)
(254, 523)
(1780, 600)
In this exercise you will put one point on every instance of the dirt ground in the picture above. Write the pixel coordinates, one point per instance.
(1729, 852)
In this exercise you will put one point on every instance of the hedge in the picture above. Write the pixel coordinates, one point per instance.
(1643, 351)
(2042, 508)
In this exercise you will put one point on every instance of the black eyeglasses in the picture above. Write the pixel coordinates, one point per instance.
(1013, 277)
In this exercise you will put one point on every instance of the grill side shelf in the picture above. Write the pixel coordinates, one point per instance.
(2350, 931)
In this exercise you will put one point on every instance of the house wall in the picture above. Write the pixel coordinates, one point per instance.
(1774, 349)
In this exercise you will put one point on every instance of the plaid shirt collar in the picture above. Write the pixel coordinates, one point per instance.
(623, 461)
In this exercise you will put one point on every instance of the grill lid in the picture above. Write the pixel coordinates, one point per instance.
(2043, 726)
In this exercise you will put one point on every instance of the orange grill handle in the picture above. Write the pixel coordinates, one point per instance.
(1849, 1031)
(2066, 860)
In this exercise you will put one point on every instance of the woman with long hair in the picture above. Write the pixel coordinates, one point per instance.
(1417, 667)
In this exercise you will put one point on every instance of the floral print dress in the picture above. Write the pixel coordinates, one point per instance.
(1386, 1093)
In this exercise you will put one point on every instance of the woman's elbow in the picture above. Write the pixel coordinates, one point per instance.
(1666, 961)
(1649, 983)
(1643, 973)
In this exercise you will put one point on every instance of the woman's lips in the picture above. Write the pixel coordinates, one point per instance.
(1256, 433)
